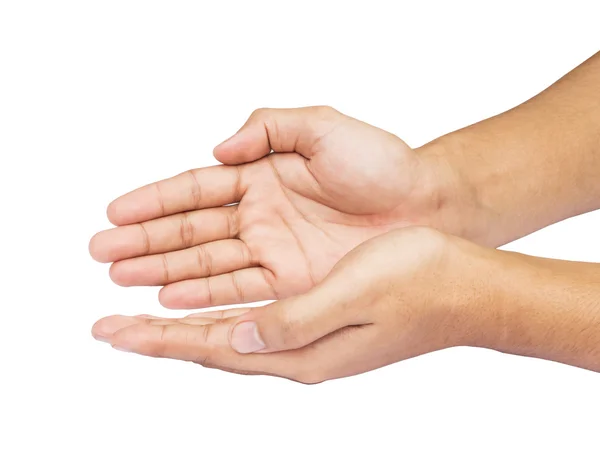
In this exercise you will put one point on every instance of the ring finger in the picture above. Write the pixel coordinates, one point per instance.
(201, 261)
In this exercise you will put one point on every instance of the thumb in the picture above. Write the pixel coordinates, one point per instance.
(283, 130)
(297, 321)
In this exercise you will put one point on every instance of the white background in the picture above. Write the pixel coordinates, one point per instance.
(99, 97)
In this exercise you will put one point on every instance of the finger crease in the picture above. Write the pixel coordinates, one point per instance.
(247, 258)
(210, 295)
(274, 291)
(146, 239)
(186, 230)
(205, 261)
(161, 339)
(196, 191)
(165, 268)
(320, 138)
(238, 288)
(204, 359)
(238, 182)
(161, 202)
(232, 223)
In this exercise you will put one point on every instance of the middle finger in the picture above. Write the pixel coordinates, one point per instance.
(165, 234)
(213, 258)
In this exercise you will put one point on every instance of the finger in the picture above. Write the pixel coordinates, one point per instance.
(106, 327)
(240, 286)
(221, 314)
(298, 321)
(195, 189)
(283, 130)
(165, 234)
(345, 352)
(206, 260)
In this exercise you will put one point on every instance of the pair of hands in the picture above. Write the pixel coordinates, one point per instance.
(338, 224)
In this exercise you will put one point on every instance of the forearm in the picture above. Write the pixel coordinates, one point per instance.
(543, 308)
(529, 167)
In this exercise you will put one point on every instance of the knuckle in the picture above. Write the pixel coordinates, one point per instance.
(246, 258)
(233, 229)
(186, 230)
(325, 110)
(204, 260)
(259, 113)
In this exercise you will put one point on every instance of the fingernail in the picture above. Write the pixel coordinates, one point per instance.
(122, 349)
(102, 338)
(245, 338)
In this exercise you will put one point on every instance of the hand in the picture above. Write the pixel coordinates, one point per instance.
(405, 293)
(333, 183)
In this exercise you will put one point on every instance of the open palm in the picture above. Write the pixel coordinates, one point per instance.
(266, 225)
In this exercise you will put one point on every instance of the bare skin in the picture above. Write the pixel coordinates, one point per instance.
(402, 294)
(334, 183)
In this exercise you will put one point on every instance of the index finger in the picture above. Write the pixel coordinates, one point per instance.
(195, 189)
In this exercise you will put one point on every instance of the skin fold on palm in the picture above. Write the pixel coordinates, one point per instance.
(268, 225)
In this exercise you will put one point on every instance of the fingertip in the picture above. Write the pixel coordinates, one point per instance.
(112, 213)
(124, 339)
(100, 247)
(119, 275)
(163, 298)
(105, 328)
(218, 154)
(127, 209)
(182, 295)
(139, 337)
(247, 145)
(226, 150)
(227, 155)
(95, 249)
(169, 297)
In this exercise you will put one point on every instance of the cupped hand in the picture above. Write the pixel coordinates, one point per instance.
(269, 225)
(399, 295)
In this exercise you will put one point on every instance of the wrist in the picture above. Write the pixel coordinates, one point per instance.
(488, 296)
(547, 309)
(471, 292)
(459, 209)
(498, 316)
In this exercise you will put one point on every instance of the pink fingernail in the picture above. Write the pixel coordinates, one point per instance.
(246, 339)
